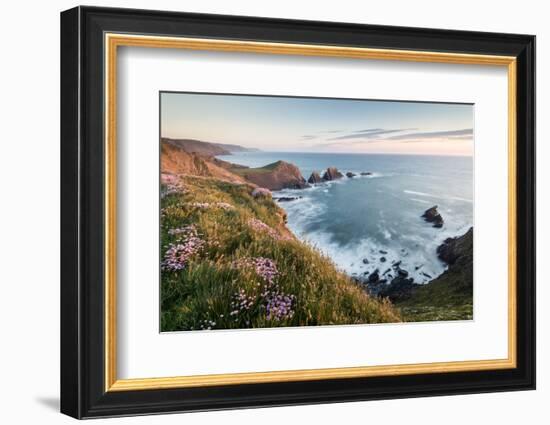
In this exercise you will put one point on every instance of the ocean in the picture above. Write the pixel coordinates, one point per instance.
(366, 223)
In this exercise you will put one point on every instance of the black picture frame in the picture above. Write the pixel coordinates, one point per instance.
(83, 392)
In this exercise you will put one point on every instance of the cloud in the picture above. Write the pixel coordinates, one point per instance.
(369, 133)
(368, 130)
(466, 133)
(378, 135)
(308, 137)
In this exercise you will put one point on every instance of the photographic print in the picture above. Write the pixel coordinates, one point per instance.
(301, 211)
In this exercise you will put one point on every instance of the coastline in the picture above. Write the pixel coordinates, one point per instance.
(393, 283)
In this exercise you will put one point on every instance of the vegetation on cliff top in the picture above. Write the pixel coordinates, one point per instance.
(230, 262)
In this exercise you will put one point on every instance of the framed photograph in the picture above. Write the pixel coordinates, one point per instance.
(261, 212)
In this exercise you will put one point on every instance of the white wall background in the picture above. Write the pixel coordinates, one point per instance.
(29, 212)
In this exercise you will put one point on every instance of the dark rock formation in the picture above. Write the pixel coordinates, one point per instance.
(315, 178)
(431, 215)
(366, 173)
(349, 174)
(374, 277)
(400, 289)
(402, 273)
(365, 261)
(382, 259)
(454, 248)
(287, 198)
(332, 173)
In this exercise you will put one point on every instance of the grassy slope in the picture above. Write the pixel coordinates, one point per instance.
(202, 293)
(259, 170)
(447, 297)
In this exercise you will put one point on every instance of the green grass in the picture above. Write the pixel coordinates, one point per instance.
(202, 294)
(447, 297)
(260, 170)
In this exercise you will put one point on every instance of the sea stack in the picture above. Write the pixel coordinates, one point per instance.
(314, 178)
(349, 174)
(431, 215)
(332, 173)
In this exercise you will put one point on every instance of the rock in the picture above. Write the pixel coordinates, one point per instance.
(454, 248)
(315, 178)
(332, 173)
(396, 264)
(374, 277)
(365, 261)
(349, 174)
(287, 198)
(431, 215)
(418, 267)
(386, 272)
(366, 173)
(399, 289)
(276, 176)
(402, 273)
(383, 252)
(426, 275)
(382, 259)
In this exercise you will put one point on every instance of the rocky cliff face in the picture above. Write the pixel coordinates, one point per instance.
(175, 160)
(205, 149)
(276, 176)
(459, 248)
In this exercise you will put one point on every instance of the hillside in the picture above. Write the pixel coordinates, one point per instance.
(178, 157)
(276, 176)
(175, 160)
(229, 261)
(206, 149)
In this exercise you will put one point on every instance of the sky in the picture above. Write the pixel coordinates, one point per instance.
(291, 124)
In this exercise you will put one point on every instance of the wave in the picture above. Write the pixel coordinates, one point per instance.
(429, 195)
(363, 258)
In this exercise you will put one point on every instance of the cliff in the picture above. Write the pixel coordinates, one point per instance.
(206, 149)
(276, 176)
(177, 161)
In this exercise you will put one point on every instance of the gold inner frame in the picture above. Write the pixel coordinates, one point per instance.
(113, 41)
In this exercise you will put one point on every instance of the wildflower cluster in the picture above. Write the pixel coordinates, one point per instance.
(242, 303)
(260, 192)
(171, 184)
(264, 267)
(277, 305)
(260, 226)
(178, 254)
(207, 205)
(207, 324)
(186, 231)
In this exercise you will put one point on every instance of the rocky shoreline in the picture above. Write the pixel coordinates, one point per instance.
(456, 253)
